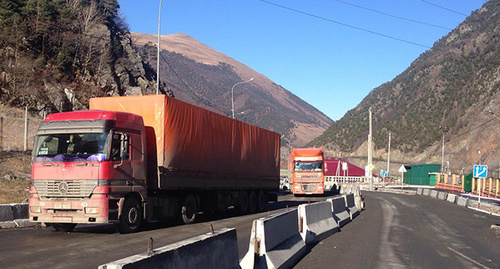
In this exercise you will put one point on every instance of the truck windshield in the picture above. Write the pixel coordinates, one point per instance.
(70, 147)
(308, 166)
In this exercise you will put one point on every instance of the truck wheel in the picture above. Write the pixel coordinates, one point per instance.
(252, 202)
(243, 207)
(131, 217)
(261, 201)
(189, 209)
(65, 227)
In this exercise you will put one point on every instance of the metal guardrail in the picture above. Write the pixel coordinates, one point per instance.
(450, 182)
(489, 187)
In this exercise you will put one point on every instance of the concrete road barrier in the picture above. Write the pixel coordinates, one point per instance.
(420, 191)
(434, 193)
(316, 221)
(6, 213)
(426, 192)
(351, 206)
(462, 201)
(442, 195)
(275, 242)
(360, 202)
(451, 198)
(211, 250)
(339, 211)
(10, 212)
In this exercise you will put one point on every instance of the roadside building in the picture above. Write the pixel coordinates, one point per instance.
(421, 174)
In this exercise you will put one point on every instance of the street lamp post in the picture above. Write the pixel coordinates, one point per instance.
(232, 94)
(370, 165)
(158, 51)
(479, 182)
(442, 151)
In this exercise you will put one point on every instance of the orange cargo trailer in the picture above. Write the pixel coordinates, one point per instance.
(211, 150)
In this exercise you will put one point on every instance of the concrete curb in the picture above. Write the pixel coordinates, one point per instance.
(18, 223)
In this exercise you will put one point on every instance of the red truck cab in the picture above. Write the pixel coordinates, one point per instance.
(89, 167)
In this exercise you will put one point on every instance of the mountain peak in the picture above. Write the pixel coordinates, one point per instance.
(203, 76)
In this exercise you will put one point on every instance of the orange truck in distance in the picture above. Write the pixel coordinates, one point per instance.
(136, 158)
(306, 169)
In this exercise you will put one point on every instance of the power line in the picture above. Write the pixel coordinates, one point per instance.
(346, 25)
(393, 16)
(445, 8)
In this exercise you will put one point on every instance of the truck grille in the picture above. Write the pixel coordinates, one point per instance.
(64, 188)
(308, 187)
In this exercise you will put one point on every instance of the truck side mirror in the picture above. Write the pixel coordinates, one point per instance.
(124, 146)
(123, 149)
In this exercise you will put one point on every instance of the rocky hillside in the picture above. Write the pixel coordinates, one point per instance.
(200, 75)
(55, 55)
(455, 85)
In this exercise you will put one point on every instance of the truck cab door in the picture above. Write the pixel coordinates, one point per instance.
(120, 156)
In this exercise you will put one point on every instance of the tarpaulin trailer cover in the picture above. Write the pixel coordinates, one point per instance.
(197, 148)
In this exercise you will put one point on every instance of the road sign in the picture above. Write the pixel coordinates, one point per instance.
(383, 173)
(344, 166)
(370, 166)
(480, 171)
(402, 169)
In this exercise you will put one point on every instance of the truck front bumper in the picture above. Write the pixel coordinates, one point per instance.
(87, 210)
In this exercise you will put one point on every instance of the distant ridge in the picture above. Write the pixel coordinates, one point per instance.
(454, 85)
(200, 75)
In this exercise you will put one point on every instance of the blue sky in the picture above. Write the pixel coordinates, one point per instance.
(330, 53)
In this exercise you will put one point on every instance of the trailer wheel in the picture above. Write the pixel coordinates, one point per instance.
(243, 207)
(131, 217)
(261, 201)
(252, 202)
(65, 227)
(189, 209)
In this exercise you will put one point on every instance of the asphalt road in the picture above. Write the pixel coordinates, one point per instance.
(91, 246)
(410, 231)
(395, 231)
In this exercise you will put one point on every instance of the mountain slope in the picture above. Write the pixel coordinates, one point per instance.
(454, 85)
(200, 75)
(55, 55)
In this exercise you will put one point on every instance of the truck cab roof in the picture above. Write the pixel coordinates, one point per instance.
(94, 115)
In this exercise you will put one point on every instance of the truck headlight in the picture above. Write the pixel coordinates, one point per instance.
(35, 209)
(92, 210)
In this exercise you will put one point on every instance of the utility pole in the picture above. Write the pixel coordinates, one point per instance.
(389, 154)
(442, 152)
(370, 149)
(158, 51)
(26, 128)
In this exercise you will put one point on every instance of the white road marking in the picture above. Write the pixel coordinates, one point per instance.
(467, 258)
